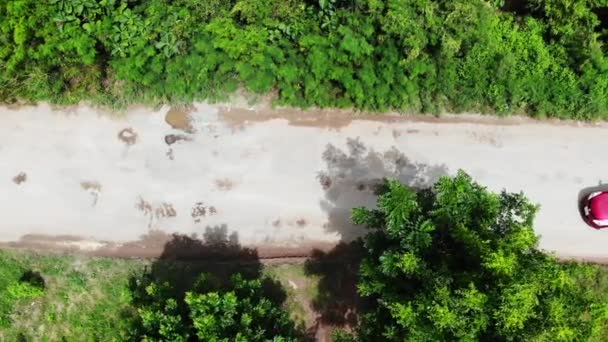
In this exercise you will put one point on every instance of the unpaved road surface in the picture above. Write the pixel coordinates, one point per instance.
(274, 179)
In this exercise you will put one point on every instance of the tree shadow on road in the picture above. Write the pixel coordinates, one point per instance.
(352, 177)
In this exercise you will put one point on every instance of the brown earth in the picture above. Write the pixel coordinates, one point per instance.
(153, 244)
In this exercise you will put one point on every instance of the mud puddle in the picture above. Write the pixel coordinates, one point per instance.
(179, 118)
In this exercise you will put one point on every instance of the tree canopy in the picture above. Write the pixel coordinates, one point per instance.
(459, 263)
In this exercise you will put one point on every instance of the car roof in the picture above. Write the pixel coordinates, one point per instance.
(599, 206)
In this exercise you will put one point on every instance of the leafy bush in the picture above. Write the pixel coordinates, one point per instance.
(544, 58)
(237, 310)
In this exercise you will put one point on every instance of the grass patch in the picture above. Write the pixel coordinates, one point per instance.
(301, 290)
(83, 298)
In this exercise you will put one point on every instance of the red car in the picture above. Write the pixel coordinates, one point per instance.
(596, 209)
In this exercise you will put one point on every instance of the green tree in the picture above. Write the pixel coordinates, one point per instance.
(459, 263)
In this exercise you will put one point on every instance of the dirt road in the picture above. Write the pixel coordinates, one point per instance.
(85, 179)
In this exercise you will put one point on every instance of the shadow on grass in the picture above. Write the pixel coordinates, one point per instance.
(338, 302)
(33, 278)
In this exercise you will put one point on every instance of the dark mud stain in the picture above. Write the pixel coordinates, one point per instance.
(301, 222)
(128, 136)
(200, 210)
(179, 118)
(276, 223)
(171, 139)
(20, 178)
(412, 131)
(396, 133)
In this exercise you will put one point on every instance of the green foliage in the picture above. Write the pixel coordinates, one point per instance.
(239, 309)
(24, 290)
(543, 58)
(460, 263)
(10, 271)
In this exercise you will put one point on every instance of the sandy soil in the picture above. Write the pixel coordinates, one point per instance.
(275, 178)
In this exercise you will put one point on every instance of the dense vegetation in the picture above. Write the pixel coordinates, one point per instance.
(541, 57)
(459, 263)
